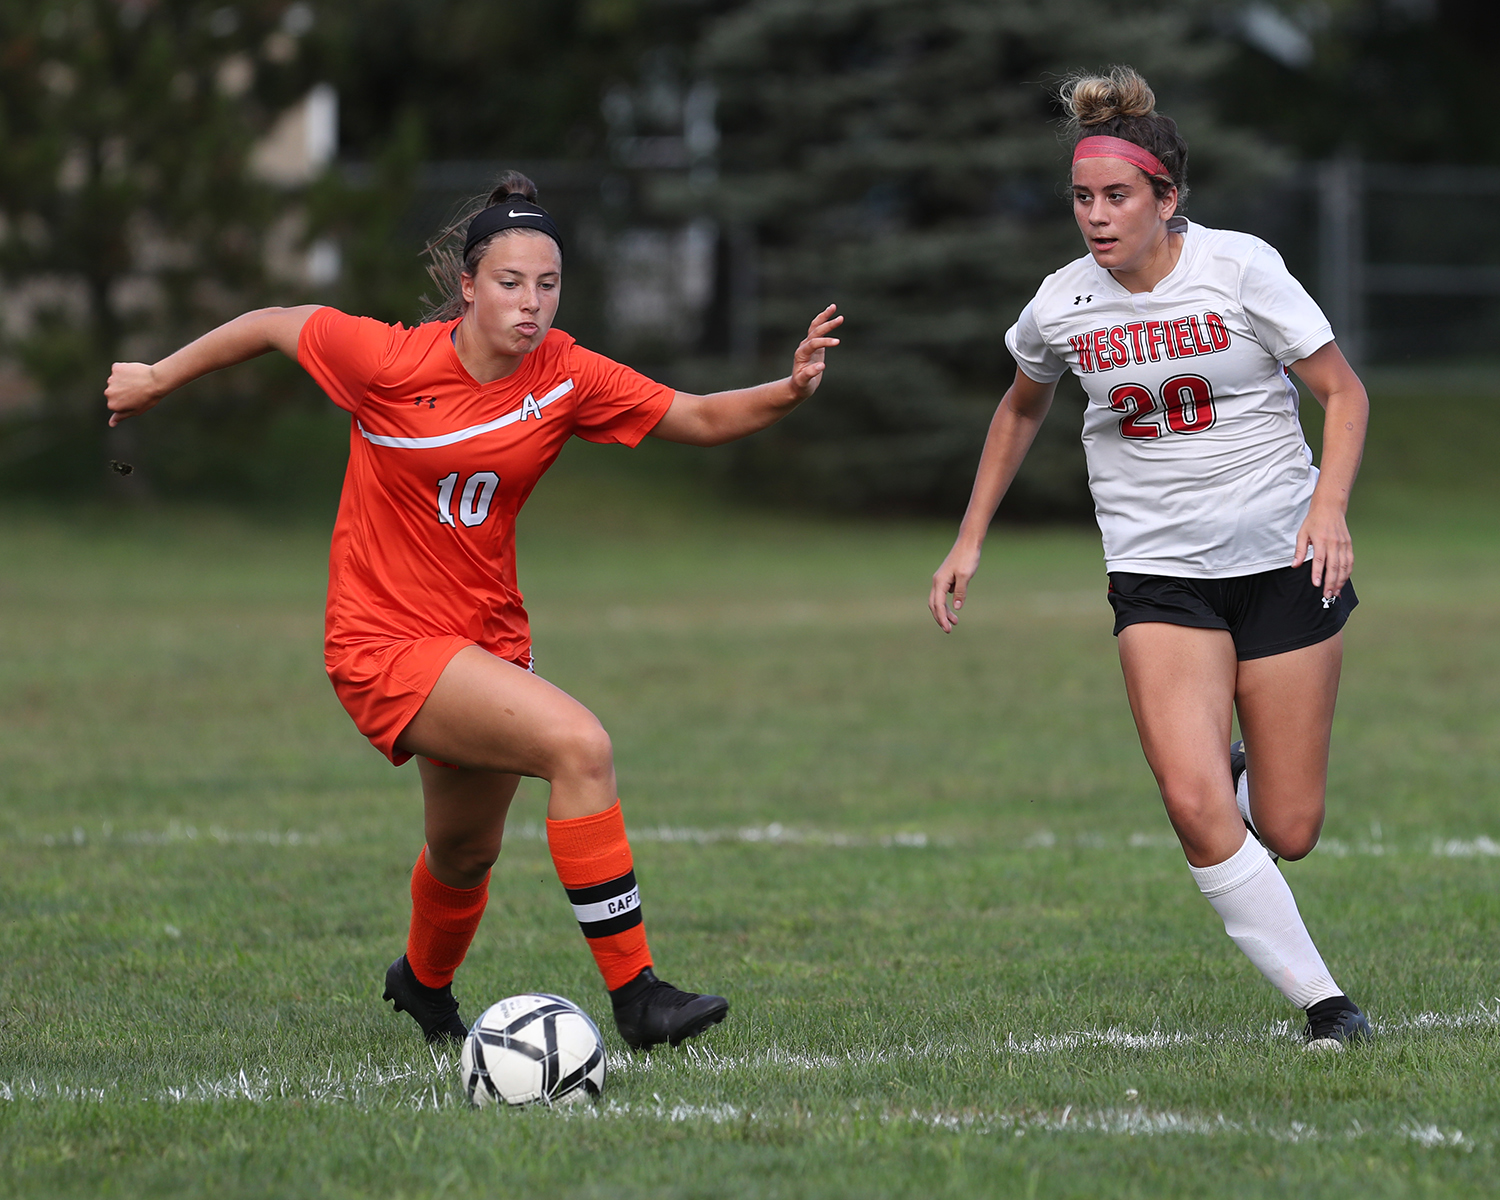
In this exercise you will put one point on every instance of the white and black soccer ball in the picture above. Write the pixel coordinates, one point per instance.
(532, 1049)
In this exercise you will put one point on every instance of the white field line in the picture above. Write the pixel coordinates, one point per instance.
(430, 1083)
(178, 832)
(404, 1085)
(773, 834)
(1454, 848)
(705, 1059)
(430, 1087)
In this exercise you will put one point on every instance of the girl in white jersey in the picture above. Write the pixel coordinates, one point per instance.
(1227, 550)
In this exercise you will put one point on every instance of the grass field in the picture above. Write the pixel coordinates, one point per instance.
(932, 875)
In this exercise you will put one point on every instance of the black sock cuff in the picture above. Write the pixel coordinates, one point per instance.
(431, 993)
(628, 992)
(1334, 1004)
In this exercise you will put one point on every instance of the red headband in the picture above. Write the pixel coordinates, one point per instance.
(1113, 147)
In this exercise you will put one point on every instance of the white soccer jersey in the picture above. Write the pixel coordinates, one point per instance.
(1196, 458)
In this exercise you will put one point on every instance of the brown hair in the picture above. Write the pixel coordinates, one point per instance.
(1121, 104)
(447, 261)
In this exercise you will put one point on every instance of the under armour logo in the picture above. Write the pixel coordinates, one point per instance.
(1328, 601)
(430, 401)
(1077, 300)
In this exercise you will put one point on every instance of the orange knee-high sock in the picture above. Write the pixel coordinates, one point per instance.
(443, 922)
(593, 861)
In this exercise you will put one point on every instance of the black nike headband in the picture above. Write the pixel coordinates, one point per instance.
(514, 212)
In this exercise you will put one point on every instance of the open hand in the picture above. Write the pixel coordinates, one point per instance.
(952, 579)
(807, 363)
(1325, 535)
(131, 390)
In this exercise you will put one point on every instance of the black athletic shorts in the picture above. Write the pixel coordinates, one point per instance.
(1265, 614)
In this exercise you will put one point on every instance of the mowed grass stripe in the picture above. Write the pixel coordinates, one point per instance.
(382, 1090)
(931, 874)
(440, 1066)
(772, 835)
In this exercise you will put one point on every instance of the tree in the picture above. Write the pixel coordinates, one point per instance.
(131, 221)
(486, 78)
(900, 157)
(1391, 82)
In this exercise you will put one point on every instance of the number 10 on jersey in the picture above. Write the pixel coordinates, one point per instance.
(473, 501)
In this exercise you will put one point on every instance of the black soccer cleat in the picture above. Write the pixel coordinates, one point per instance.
(434, 1009)
(649, 1011)
(1236, 769)
(1335, 1023)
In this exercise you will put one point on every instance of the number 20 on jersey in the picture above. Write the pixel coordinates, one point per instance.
(1186, 400)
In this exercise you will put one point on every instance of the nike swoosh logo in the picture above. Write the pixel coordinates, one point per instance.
(524, 214)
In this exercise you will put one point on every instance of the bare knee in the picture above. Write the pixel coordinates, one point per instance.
(462, 862)
(1289, 821)
(582, 751)
(1191, 801)
(1203, 816)
(1293, 839)
(1193, 820)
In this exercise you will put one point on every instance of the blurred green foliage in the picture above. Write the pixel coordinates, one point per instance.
(901, 158)
(898, 157)
(126, 211)
(483, 78)
(129, 222)
(1403, 81)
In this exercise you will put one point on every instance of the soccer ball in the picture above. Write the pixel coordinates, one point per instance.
(531, 1049)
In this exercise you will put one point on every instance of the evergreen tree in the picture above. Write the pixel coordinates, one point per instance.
(901, 158)
(127, 219)
(487, 79)
(1395, 81)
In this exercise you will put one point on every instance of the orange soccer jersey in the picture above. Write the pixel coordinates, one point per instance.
(423, 557)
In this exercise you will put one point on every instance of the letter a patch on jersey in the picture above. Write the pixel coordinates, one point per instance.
(530, 408)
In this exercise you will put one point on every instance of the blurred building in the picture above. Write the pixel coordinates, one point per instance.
(298, 148)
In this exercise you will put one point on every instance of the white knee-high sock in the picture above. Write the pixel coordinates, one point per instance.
(1260, 914)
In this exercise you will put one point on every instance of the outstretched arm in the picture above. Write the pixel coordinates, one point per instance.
(724, 416)
(1012, 430)
(135, 388)
(1331, 379)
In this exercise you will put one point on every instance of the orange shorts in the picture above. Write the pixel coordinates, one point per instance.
(382, 684)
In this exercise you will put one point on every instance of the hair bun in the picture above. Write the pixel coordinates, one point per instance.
(513, 183)
(1095, 99)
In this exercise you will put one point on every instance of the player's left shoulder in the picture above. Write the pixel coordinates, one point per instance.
(1208, 239)
(1230, 249)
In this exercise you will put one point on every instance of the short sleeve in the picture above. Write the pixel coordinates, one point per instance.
(343, 354)
(1029, 348)
(615, 404)
(1286, 320)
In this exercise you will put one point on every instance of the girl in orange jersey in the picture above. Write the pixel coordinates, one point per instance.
(427, 643)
